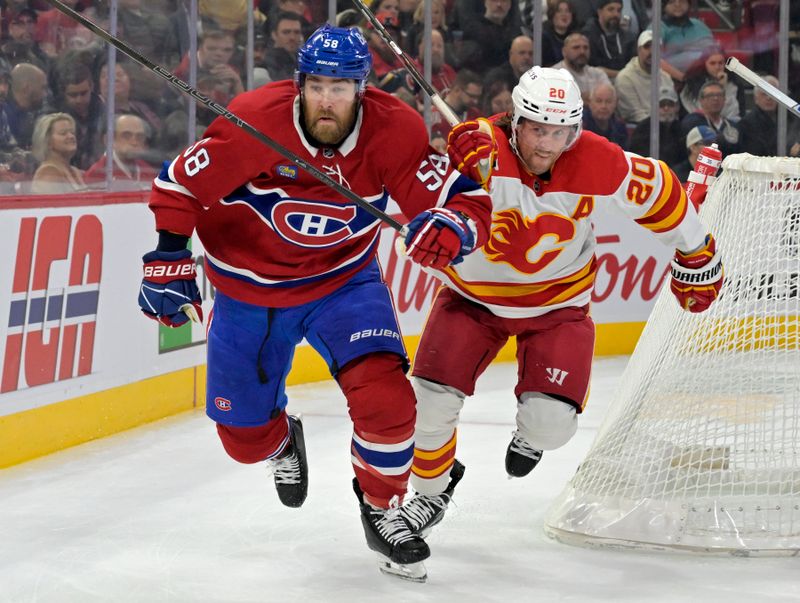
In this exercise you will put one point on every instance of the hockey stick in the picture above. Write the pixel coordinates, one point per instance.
(733, 65)
(231, 117)
(438, 101)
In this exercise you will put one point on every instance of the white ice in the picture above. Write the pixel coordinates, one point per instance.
(160, 513)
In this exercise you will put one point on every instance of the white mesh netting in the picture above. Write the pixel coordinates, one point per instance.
(700, 449)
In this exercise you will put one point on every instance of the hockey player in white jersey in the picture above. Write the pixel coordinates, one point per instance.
(534, 277)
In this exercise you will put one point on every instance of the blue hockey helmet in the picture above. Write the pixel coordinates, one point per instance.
(335, 52)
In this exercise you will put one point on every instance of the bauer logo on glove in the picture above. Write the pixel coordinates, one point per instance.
(168, 292)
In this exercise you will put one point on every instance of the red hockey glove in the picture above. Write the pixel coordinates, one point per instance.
(473, 149)
(168, 292)
(438, 237)
(697, 277)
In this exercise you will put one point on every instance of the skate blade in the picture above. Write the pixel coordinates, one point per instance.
(413, 572)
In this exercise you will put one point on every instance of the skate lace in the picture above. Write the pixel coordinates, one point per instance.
(390, 525)
(422, 508)
(520, 446)
(286, 470)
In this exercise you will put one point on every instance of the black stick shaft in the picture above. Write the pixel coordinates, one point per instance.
(437, 100)
(231, 117)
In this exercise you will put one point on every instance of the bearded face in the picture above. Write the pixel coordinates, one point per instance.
(329, 107)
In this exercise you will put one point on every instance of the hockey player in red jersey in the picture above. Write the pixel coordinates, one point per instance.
(291, 259)
(533, 278)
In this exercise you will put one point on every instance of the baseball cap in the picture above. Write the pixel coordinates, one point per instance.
(668, 93)
(645, 37)
(702, 134)
(603, 3)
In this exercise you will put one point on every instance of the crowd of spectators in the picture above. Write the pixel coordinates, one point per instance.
(54, 75)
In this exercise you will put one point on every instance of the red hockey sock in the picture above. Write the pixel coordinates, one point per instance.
(255, 444)
(383, 409)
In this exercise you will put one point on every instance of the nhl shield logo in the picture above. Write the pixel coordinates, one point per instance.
(328, 153)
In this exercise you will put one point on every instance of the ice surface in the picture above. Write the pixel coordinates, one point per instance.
(160, 513)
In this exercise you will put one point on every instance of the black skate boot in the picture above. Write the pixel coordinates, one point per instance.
(424, 511)
(291, 467)
(521, 458)
(400, 551)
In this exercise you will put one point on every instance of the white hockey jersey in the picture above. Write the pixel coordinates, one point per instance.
(540, 255)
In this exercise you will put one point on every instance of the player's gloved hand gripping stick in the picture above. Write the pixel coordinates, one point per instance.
(480, 165)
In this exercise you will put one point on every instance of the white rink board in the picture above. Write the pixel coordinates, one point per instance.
(126, 345)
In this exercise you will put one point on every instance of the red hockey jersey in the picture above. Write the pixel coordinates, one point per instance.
(276, 236)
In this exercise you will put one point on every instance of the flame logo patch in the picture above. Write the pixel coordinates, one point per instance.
(514, 238)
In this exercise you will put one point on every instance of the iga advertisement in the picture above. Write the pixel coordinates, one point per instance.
(70, 324)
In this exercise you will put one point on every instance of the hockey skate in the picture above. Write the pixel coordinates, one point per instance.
(290, 469)
(400, 551)
(424, 511)
(521, 458)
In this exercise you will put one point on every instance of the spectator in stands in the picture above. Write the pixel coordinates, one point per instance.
(635, 15)
(560, 23)
(390, 6)
(496, 98)
(712, 100)
(633, 82)
(20, 45)
(214, 53)
(7, 140)
(670, 137)
(487, 39)
(129, 170)
(54, 29)
(520, 59)
(123, 104)
(610, 47)
(463, 98)
(384, 59)
(16, 165)
(598, 115)
(576, 61)
(54, 145)
(463, 15)
(145, 30)
(442, 74)
(75, 95)
(231, 15)
(415, 31)
(286, 34)
(710, 67)
(759, 126)
(26, 97)
(439, 143)
(684, 38)
(697, 138)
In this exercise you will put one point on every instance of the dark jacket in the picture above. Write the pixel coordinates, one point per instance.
(759, 133)
(615, 132)
(670, 141)
(612, 51)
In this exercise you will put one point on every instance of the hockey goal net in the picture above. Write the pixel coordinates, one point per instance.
(700, 450)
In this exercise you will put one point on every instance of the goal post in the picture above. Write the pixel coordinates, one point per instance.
(700, 450)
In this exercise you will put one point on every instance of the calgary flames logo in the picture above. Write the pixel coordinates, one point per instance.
(514, 239)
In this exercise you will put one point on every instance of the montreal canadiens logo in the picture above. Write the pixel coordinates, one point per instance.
(223, 404)
(312, 224)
